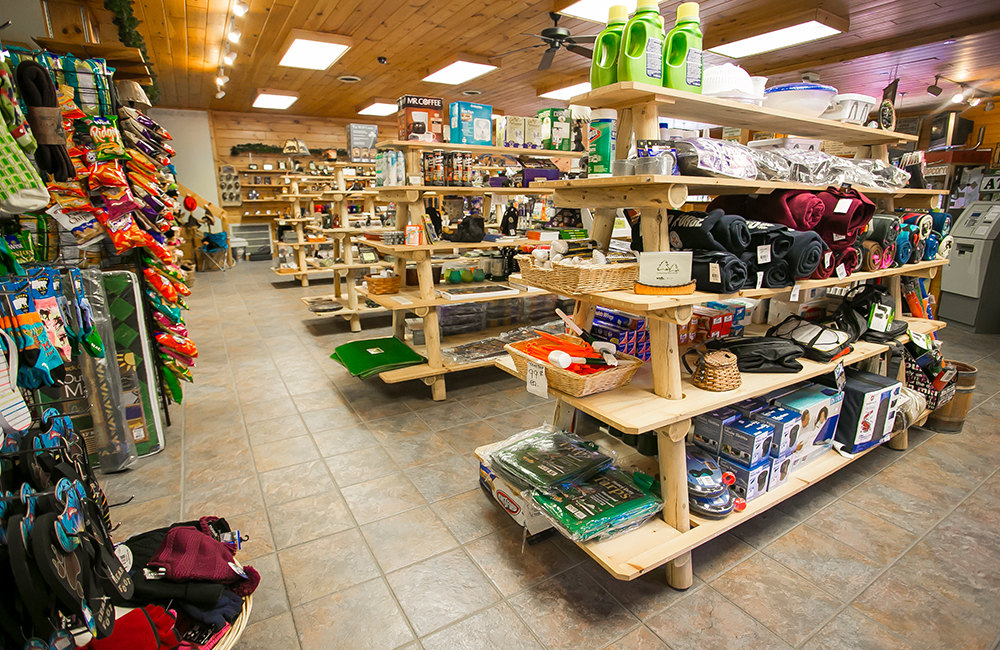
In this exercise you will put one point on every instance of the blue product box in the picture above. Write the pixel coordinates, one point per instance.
(470, 123)
(708, 428)
(819, 409)
(739, 311)
(614, 317)
(608, 331)
(786, 426)
(781, 468)
(750, 406)
(746, 441)
(750, 482)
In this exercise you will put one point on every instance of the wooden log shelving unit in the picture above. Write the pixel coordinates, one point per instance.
(659, 398)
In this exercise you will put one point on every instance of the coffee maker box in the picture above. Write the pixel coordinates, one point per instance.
(786, 425)
(513, 131)
(420, 118)
(556, 131)
(361, 140)
(780, 469)
(470, 123)
(533, 132)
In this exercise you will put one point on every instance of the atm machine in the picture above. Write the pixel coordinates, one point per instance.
(970, 284)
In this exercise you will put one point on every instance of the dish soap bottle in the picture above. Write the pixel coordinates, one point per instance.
(682, 53)
(641, 57)
(604, 67)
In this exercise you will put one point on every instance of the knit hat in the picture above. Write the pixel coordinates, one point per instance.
(188, 554)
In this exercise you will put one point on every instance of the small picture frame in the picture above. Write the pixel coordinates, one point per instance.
(252, 166)
(268, 167)
(312, 166)
(281, 165)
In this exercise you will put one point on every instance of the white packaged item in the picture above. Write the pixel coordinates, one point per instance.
(803, 98)
(852, 108)
(514, 131)
(533, 132)
(728, 81)
(787, 143)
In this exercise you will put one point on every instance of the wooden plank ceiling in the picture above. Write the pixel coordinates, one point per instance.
(184, 39)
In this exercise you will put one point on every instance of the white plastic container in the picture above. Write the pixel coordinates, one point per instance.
(804, 98)
(728, 81)
(851, 107)
(801, 144)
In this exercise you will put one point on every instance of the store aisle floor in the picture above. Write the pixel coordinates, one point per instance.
(369, 529)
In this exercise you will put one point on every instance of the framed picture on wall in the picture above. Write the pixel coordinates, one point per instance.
(252, 166)
(268, 167)
(281, 165)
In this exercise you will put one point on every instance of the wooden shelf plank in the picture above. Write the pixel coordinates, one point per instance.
(409, 297)
(329, 269)
(684, 105)
(479, 149)
(635, 408)
(444, 190)
(443, 247)
(346, 311)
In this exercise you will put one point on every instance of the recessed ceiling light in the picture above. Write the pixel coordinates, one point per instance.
(472, 93)
(459, 72)
(378, 108)
(313, 50)
(349, 79)
(805, 32)
(595, 10)
(567, 92)
(234, 35)
(276, 99)
(241, 9)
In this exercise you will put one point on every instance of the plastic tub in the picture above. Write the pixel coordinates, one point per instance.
(804, 98)
(726, 79)
(851, 107)
(802, 144)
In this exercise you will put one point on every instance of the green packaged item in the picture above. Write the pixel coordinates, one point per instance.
(601, 507)
(369, 357)
(682, 53)
(604, 65)
(545, 458)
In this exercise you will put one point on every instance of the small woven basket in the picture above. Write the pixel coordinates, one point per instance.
(569, 280)
(716, 371)
(567, 381)
(379, 286)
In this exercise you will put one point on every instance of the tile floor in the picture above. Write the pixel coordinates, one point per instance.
(370, 532)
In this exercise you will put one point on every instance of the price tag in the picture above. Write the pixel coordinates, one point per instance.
(843, 205)
(537, 384)
(838, 237)
(841, 271)
(764, 254)
(760, 279)
(838, 375)
(794, 296)
(880, 318)
(714, 274)
(828, 258)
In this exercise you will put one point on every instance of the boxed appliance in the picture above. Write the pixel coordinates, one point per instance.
(527, 516)
(361, 139)
(747, 442)
(535, 169)
(420, 118)
(513, 131)
(533, 132)
(786, 426)
(750, 406)
(708, 427)
(868, 410)
(819, 410)
(470, 123)
(556, 129)
(780, 469)
(750, 482)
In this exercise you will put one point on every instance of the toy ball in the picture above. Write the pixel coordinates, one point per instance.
(190, 204)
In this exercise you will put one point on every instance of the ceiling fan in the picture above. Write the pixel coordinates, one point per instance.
(556, 37)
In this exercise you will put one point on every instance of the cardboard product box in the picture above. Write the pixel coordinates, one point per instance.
(708, 428)
(618, 317)
(361, 140)
(420, 118)
(750, 406)
(535, 169)
(717, 323)
(781, 468)
(533, 132)
(736, 330)
(819, 409)
(868, 409)
(786, 424)
(746, 441)
(470, 123)
(780, 310)
(513, 131)
(511, 500)
(739, 311)
(750, 482)
(556, 128)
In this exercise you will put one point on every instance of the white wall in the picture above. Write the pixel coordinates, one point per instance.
(26, 20)
(192, 138)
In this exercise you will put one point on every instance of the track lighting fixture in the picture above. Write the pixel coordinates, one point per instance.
(240, 9)
(934, 89)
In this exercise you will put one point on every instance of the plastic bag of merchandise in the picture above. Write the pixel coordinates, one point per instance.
(605, 505)
(708, 157)
(888, 176)
(810, 167)
(770, 165)
(911, 405)
(546, 458)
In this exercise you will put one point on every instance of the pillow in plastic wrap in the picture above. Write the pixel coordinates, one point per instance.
(888, 176)
(708, 157)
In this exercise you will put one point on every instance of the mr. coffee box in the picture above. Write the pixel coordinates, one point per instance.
(750, 482)
(786, 424)
(420, 118)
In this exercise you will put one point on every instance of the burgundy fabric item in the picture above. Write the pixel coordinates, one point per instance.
(846, 224)
(797, 209)
(826, 265)
(848, 257)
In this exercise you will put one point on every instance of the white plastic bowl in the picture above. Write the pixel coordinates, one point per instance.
(851, 107)
(726, 79)
(803, 98)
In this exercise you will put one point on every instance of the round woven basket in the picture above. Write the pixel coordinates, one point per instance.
(716, 371)
(378, 286)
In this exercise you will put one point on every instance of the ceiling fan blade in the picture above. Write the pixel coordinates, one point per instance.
(583, 39)
(533, 35)
(547, 57)
(582, 51)
(522, 49)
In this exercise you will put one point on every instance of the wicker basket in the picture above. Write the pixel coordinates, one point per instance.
(378, 286)
(716, 371)
(567, 381)
(569, 280)
(285, 270)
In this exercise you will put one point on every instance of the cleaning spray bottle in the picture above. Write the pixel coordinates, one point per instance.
(604, 67)
(682, 53)
(641, 57)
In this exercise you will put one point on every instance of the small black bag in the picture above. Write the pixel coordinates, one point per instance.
(761, 354)
(470, 231)
(852, 315)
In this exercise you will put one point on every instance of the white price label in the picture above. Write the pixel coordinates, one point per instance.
(794, 296)
(760, 279)
(841, 271)
(838, 237)
(714, 274)
(536, 382)
(764, 254)
(843, 205)
(828, 258)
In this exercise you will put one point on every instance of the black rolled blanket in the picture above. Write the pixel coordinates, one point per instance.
(718, 272)
(805, 253)
(769, 234)
(712, 231)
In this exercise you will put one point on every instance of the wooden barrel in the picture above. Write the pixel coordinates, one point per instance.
(950, 418)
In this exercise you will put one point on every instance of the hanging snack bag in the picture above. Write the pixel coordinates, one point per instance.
(81, 223)
(107, 174)
(108, 143)
(68, 107)
(118, 201)
(178, 344)
(161, 285)
(124, 234)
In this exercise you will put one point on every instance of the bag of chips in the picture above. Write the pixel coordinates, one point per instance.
(107, 140)
(68, 107)
(160, 284)
(107, 174)
(124, 234)
(118, 200)
(82, 224)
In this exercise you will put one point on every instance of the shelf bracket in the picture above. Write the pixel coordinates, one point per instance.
(421, 311)
(677, 315)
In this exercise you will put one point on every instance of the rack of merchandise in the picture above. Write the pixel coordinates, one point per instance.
(659, 399)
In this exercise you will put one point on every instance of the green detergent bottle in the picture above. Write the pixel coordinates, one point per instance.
(682, 53)
(604, 67)
(641, 57)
